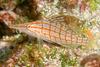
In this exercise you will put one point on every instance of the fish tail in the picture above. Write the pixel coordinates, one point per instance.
(89, 34)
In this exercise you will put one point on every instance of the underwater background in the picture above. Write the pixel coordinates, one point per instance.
(49, 33)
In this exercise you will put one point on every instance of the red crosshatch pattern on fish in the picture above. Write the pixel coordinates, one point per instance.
(53, 33)
(56, 32)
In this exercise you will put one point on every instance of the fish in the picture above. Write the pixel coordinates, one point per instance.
(56, 29)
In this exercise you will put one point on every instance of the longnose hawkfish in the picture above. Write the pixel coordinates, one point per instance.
(55, 30)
